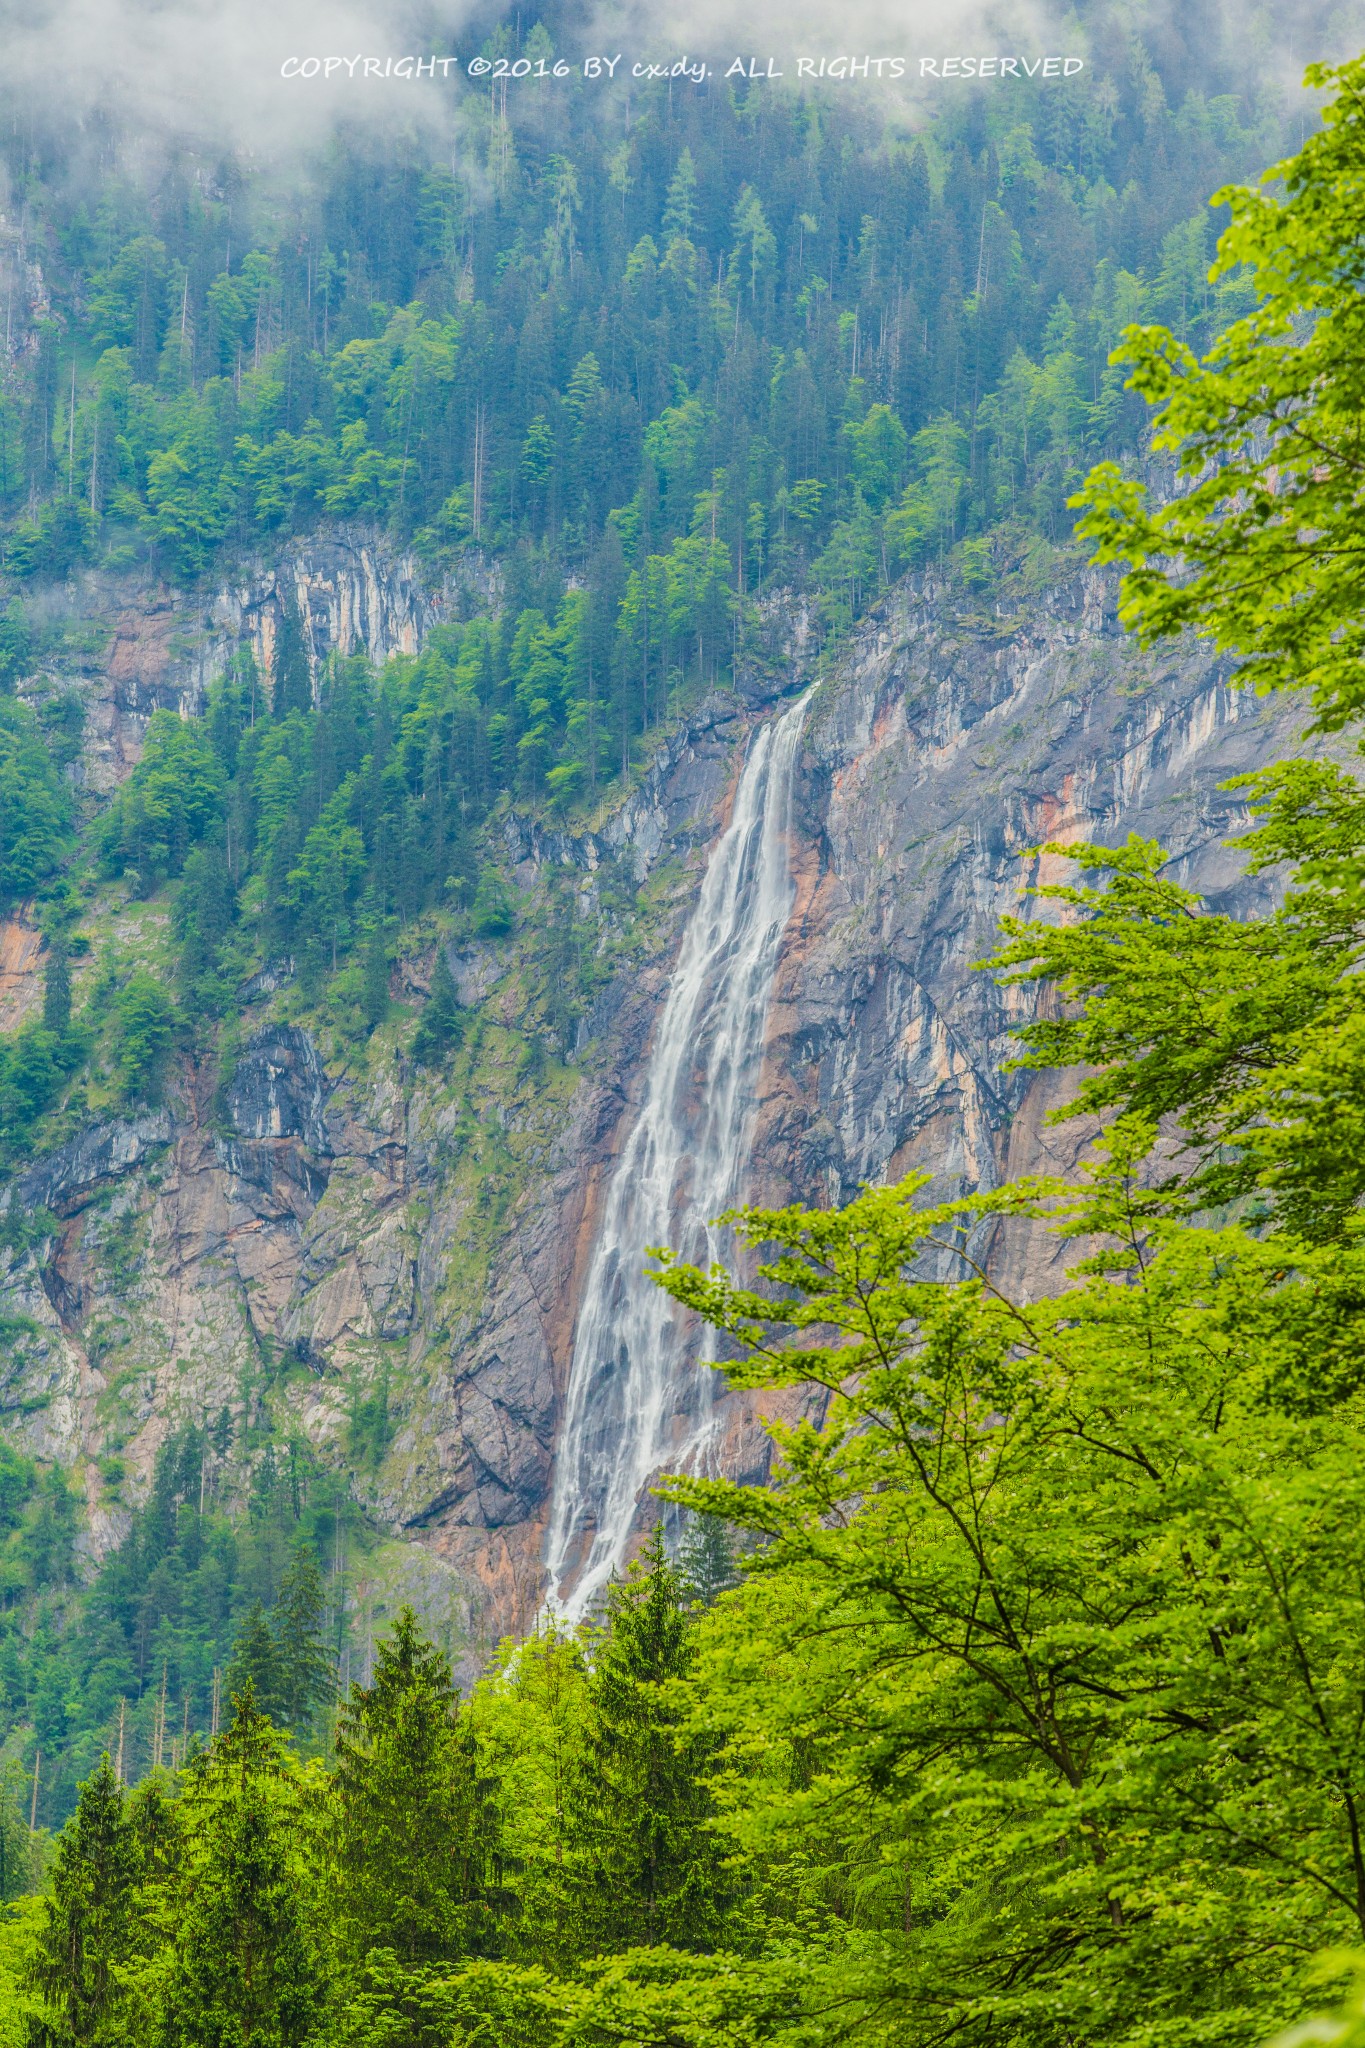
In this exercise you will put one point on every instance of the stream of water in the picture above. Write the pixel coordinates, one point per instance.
(640, 1397)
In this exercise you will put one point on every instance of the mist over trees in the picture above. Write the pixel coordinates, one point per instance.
(1024, 1703)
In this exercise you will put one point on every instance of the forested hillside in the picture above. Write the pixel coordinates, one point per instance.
(673, 361)
(677, 365)
(663, 353)
(1024, 1702)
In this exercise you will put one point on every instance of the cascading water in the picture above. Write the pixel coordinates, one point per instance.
(637, 1401)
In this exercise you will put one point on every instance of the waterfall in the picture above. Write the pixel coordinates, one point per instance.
(639, 1398)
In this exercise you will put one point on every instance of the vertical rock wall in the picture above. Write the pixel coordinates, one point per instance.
(330, 1222)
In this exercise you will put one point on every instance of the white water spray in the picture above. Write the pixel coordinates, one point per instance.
(640, 1400)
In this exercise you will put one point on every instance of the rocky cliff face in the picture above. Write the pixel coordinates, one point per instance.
(340, 1238)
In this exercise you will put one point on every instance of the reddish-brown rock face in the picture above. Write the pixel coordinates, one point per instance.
(308, 1218)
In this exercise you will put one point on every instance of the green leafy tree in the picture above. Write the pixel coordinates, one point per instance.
(143, 1036)
(35, 807)
(171, 801)
(492, 913)
(1265, 430)
(1052, 1609)
(531, 1718)
(20, 1859)
(878, 442)
(1250, 1031)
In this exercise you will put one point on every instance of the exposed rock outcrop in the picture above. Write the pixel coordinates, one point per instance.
(339, 1222)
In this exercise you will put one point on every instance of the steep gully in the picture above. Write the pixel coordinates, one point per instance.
(315, 1208)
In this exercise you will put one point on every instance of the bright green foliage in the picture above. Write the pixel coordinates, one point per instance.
(35, 807)
(1253, 1030)
(1061, 1604)
(1266, 428)
(637, 1804)
(35, 1064)
(244, 1962)
(416, 1838)
(19, 2006)
(20, 1861)
(172, 799)
(143, 1035)
(531, 1719)
(89, 1933)
(492, 913)
(878, 443)
(1344, 2026)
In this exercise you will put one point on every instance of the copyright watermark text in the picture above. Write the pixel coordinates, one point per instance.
(696, 70)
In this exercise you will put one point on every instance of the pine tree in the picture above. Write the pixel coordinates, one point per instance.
(246, 1965)
(90, 1922)
(441, 1023)
(255, 1664)
(639, 1802)
(415, 1836)
(303, 1668)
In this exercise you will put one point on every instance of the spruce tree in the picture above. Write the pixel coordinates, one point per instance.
(88, 1931)
(639, 1803)
(255, 1665)
(303, 1668)
(441, 1022)
(416, 1849)
(245, 1966)
(706, 1559)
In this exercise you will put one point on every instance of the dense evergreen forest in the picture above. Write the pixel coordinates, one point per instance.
(1025, 1703)
(666, 357)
